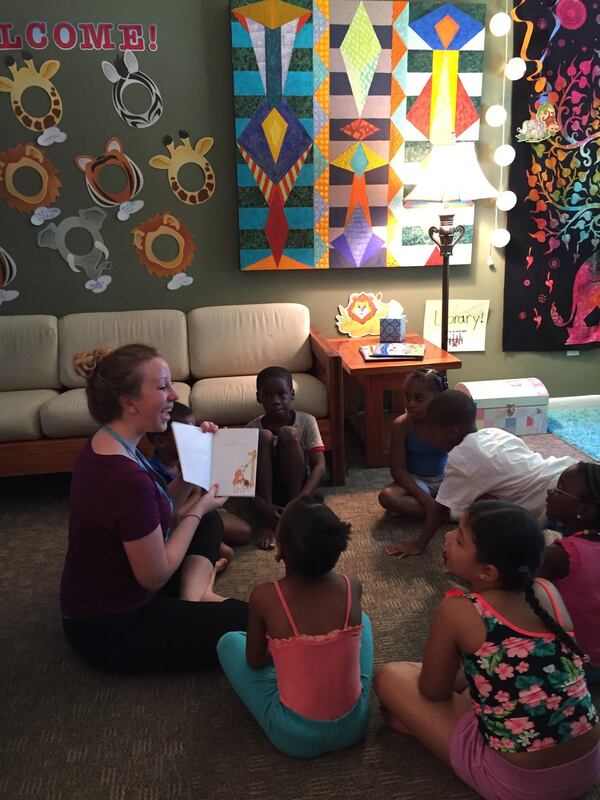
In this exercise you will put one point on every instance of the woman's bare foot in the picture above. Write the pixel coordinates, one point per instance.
(220, 565)
(264, 538)
(390, 720)
(210, 596)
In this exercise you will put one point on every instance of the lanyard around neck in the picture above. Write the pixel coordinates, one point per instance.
(143, 462)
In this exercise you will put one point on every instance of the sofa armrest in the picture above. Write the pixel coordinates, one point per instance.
(327, 367)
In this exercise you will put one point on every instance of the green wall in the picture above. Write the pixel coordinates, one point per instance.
(192, 68)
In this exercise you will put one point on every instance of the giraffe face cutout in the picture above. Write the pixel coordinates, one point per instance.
(125, 72)
(144, 239)
(113, 156)
(186, 154)
(28, 156)
(26, 77)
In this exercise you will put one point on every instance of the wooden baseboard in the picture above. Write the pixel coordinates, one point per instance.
(39, 457)
(45, 456)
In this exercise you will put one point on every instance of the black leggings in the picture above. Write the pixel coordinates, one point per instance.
(167, 634)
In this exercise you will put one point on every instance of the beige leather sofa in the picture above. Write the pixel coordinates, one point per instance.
(214, 354)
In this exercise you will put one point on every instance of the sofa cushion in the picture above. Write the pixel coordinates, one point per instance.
(20, 414)
(243, 339)
(232, 401)
(67, 414)
(28, 353)
(164, 329)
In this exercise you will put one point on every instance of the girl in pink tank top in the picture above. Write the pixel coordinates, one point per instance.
(573, 562)
(304, 668)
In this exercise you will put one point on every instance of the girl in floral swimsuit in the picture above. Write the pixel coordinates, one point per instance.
(517, 721)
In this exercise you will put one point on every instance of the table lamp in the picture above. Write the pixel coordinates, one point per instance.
(451, 177)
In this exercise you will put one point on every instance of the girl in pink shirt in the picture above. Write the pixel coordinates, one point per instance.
(573, 562)
(304, 669)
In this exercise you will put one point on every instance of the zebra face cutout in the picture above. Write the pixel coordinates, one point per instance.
(124, 73)
(113, 156)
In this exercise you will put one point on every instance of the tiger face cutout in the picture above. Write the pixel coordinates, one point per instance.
(113, 157)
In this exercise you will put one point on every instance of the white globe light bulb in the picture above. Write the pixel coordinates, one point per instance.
(495, 116)
(504, 155)
(515, 69)
(506, 200)
(500, 237)
(500, 24)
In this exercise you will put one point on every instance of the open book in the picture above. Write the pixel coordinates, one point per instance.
(227, 457)
(394, 351)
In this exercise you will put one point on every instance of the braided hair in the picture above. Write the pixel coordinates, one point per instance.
(511, 538)
(433, 378)
(591, 473)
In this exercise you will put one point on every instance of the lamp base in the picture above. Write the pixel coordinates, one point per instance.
(445, 237)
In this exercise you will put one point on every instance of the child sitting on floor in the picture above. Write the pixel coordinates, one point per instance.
(488, 462)
(529, 730)
(314, 697)
(573, 562)
(291, 460)
(417, 467)
(165, 462)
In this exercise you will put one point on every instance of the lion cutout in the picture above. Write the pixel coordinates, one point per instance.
(362, 314)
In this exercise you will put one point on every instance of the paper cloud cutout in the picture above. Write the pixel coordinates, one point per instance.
(128, 208)
(179, 280)
(98, 285)
(51, 135)
(7, 294)
(43, 214)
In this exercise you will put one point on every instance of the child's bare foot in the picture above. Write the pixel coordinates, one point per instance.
(225, 551)
(390, 720)
(264, 538)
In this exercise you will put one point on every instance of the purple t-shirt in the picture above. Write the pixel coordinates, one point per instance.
(113, 500)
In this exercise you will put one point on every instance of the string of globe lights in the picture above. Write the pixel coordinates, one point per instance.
(496, 116)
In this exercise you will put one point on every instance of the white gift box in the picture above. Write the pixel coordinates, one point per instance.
(518, 405)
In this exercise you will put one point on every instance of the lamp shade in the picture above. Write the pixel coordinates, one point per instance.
(451, 174)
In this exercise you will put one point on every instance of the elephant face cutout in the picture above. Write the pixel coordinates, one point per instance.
(94, 262)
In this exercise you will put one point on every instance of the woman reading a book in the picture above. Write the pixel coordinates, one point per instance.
(137, 591)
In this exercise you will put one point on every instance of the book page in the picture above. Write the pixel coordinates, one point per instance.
(194, 450)
(234, 457)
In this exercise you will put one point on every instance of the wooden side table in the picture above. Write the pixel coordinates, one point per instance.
(375, 376)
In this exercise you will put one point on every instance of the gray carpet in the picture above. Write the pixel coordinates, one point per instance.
(70, 732)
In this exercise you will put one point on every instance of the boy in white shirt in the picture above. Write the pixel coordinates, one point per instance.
(487, 462)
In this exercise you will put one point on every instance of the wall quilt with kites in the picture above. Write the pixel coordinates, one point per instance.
(552, 281)
(336, 102)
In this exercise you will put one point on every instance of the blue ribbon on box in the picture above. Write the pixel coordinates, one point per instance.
(392, 329)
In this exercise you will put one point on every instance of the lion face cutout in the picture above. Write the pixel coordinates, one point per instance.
(361, 316)
(144, 238)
